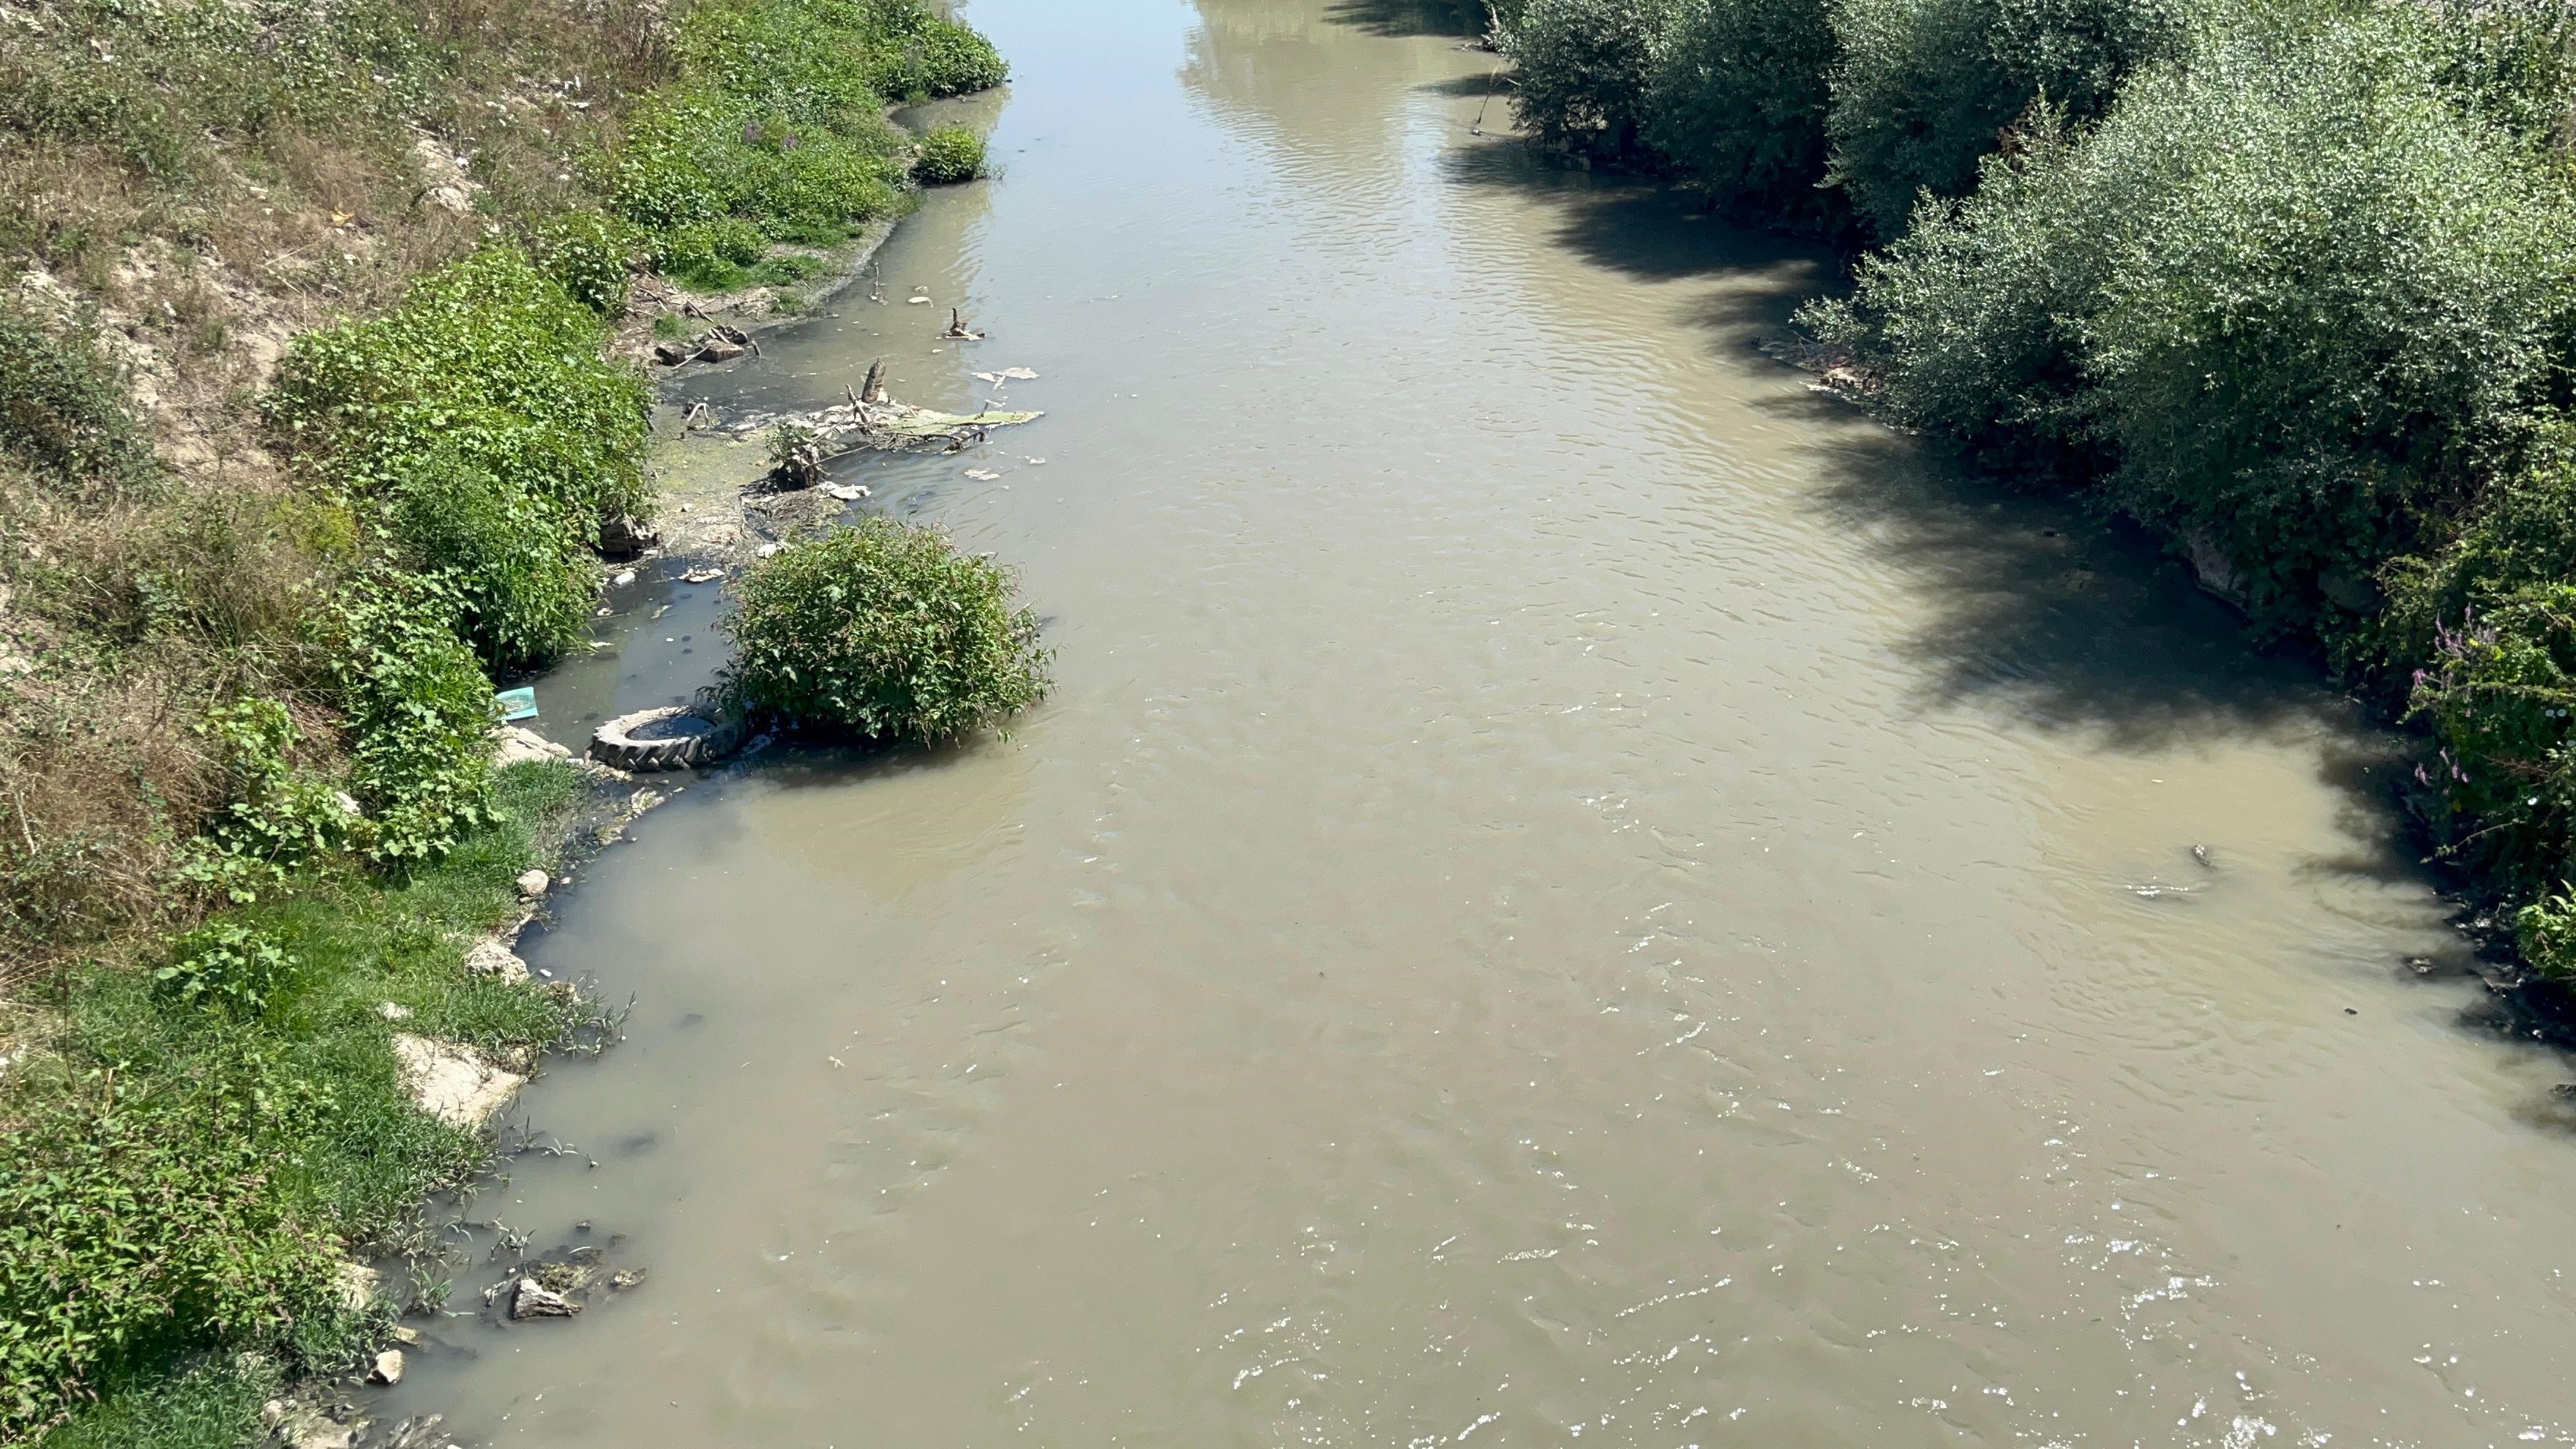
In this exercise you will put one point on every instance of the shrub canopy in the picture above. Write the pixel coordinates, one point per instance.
(1739, 99)
(1923, 89)
(1585, 71)
(886, 631)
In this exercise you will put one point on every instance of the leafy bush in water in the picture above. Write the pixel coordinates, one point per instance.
(585, 253)
(2291, 289)
(419, 710)
(884, 630)
(1739, 102)
(1922, 89)
(1584, 74)
(950, 153)
(922, 55)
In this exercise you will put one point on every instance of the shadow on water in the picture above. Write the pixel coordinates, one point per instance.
(2028, 603)
(1397, 19)
(1635, 227)
(2039, 606)
(1494, 83)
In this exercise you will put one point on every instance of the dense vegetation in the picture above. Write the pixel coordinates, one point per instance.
(309, 426)
(2293, 285)
(884, 631)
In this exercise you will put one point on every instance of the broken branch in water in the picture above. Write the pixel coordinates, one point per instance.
(882, 424)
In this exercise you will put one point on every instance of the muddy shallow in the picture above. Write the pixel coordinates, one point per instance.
(1572, 888)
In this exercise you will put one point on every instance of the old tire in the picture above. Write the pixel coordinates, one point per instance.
(674, 737)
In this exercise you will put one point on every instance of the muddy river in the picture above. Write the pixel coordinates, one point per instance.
(1571, 889)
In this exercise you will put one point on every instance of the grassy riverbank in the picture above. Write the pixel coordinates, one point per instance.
(2292, 285)
(308, 323)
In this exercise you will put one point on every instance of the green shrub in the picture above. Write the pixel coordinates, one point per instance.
(709, 255)
(2545, 930)
(779, 118)
(487, 361)
(275, 816)
(2521, 531)
(419, 711)
(949, 154)
(482, 417)
(2498, 691)
(131, 1235)
(886, 631)
(63, 409)
(1739, 103)
(2513, 62)
(1923, 89)
(1585, 70)
(2341, 306)
(2290, 290)
(586, 253)
(1973, 321)
(523, 580)
(923, 55)
(225, 967)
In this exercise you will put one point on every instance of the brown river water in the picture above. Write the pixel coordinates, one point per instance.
(1572, 890)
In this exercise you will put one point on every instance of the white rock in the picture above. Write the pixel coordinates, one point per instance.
(443, 174)
(305, 1428)
(512, 744)
(532, 1299)
(449, 1082)
(388, 1368)
(533, 883)
(491, 958)
(393, 1011)
(355, 1286)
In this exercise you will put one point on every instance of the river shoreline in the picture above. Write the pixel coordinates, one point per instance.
(1502, 939)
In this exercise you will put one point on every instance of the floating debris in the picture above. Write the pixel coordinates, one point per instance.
(982, 475)
(889, 426)
(702, 576)
(1008, 374)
